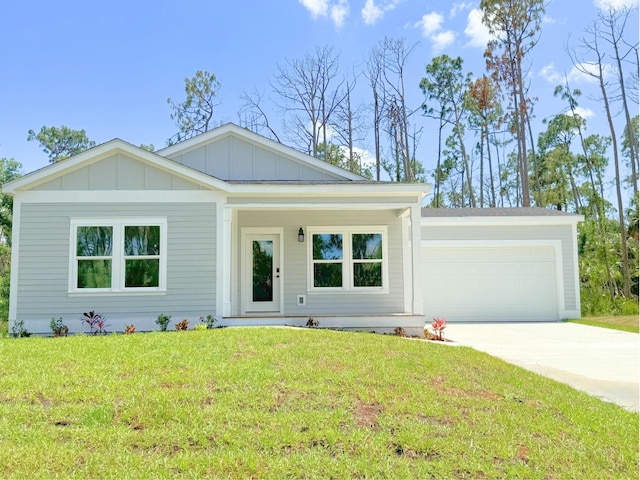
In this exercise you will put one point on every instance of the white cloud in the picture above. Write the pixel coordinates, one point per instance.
(442, 40)
(430, 23)
(550, 74)
(371, 12)
(585, 71)
(338, 11)
(576, 74)
(584, 112)
(318, 8)
(615, 4)
(477, 32)
(431, 26)
(459, 7)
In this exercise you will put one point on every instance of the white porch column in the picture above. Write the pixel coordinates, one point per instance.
(223, 277)
(416, 260)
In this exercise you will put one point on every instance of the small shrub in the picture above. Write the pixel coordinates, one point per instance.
(163, 321)
(399, 331)
(58, 328)
(183, 325)
(438, 325)
(210, 321)
(129, 329)
(97, 322)
(18, 329)
(312, 323)
(200, 326)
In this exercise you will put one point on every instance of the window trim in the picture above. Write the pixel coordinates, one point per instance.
(347, 258)
(118, 256)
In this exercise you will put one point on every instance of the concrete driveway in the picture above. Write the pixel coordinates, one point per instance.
(599, 361)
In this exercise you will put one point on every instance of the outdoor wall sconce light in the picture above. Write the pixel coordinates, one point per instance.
(301, 235)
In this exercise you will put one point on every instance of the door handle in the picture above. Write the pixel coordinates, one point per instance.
(278, 272)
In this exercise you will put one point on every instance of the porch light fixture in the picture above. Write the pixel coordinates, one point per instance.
(301, 235)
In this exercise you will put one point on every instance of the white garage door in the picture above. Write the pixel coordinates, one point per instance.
(511, 283)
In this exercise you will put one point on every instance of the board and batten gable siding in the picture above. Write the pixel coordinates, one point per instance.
(43, 268)
(562, 232)
(232, 158)
(296, 263)
(118, 172)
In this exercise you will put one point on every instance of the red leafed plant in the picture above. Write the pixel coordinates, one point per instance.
(182, 325)
(97, 322)
(438, 325)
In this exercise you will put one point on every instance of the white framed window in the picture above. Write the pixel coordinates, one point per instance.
(118, 255)
(347, 259)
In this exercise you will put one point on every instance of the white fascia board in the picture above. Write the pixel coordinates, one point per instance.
(311, 189)
(495, 221)
(105, 150)
(230, 128)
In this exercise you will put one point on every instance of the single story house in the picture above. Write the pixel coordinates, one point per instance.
(235, 225)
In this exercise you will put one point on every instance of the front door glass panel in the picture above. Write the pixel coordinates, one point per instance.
(262, 270)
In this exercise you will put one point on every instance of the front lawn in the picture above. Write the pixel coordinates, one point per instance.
(626, 323)
(294, 403)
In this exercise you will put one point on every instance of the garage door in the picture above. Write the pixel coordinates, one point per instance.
(511, 283)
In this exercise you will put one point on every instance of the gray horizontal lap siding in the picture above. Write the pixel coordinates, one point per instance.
(295, 262)
(520, 232)
(43, 269)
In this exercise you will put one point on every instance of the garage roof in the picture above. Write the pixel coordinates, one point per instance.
(495, 212)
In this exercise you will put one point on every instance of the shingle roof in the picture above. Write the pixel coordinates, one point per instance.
(494, 212)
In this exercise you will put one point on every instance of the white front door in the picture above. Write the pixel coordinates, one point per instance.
(262, 273)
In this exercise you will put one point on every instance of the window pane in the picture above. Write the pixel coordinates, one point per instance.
(94, 241)
(94, 273)
(367, 246)
(142, 240)
(327, 246)
(142, 273)
(262, 270)
(367, 274)
(327, 274)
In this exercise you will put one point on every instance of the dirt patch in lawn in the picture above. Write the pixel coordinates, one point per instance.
(366, 414)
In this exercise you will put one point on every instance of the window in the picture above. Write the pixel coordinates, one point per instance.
(118, 255)
(347, 259)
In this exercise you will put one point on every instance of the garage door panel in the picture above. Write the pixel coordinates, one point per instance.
(490, 283)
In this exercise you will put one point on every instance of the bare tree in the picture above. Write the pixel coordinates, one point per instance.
(395, 55)
(613, 24)
(597, 57)
(349, 127)
(253, 117)
(308, 97)
(374, 69)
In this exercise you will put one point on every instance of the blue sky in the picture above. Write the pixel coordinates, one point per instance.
(109, 67)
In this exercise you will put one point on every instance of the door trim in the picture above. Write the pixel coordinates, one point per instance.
(244, 265)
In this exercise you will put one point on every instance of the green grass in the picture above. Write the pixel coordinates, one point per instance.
(626, 323)
(294, 403)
